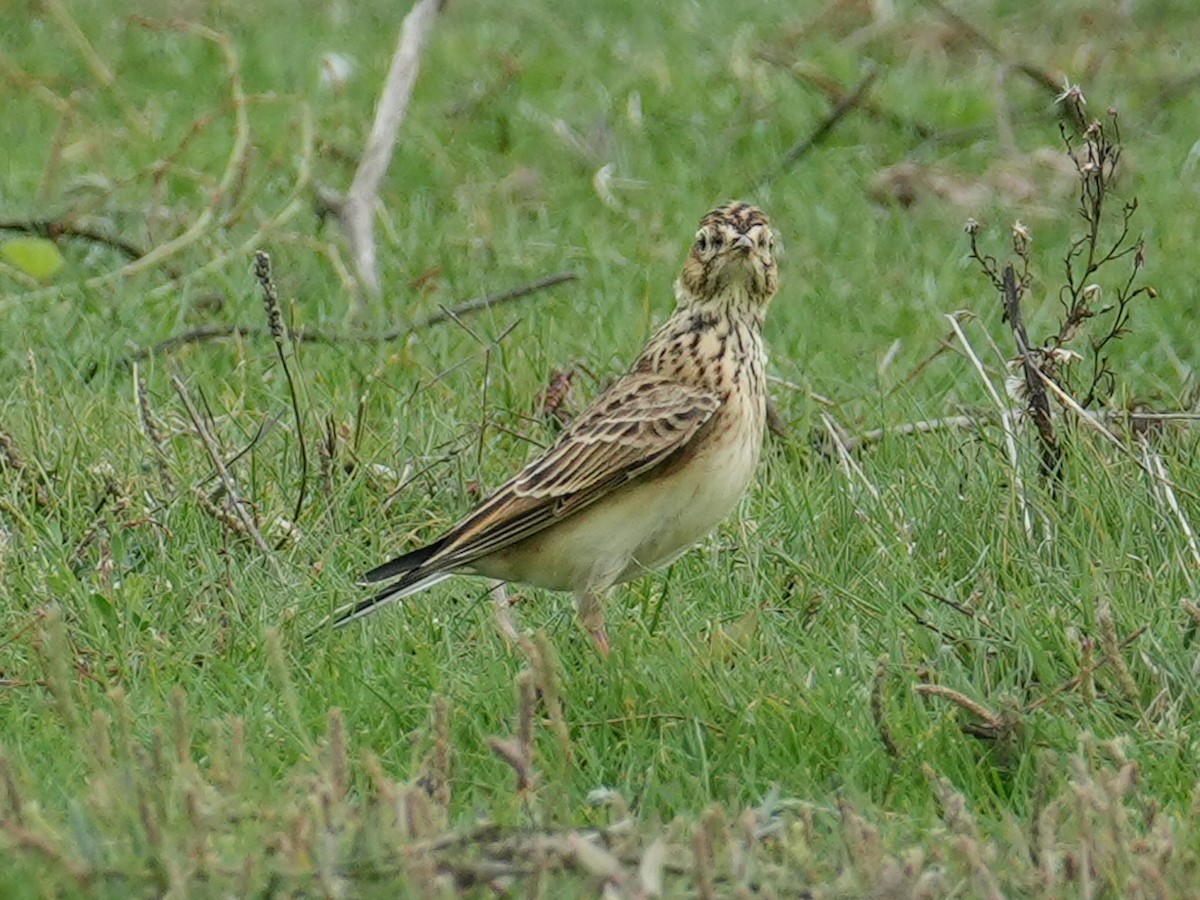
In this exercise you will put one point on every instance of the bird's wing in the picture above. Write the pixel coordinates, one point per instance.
(628, 430)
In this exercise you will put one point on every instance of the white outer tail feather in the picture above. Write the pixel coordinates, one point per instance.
(413, 588)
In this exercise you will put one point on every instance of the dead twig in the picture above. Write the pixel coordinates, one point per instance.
(1039, 405)
(53, 229)
(843, 108)
(837, 92)
(206, 333)
(356, 210)
(1039, 76)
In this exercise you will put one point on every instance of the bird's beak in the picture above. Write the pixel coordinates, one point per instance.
(744, 243)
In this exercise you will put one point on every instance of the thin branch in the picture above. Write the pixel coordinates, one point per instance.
(1039, 405)
(836, 92)
(1036, 74)
(356, 210)
(449, 314)
(52, 229)
(206, 333)
(844, 107)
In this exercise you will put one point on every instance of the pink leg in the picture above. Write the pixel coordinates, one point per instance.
(502, 612)
(590, 606)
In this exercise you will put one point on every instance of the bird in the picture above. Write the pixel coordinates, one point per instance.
(651, 465)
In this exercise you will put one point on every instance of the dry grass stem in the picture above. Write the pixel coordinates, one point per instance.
(1164, 493)
(1006, 421)
(98, 67)
(234, 164)
(978, 710)
(152, 428)
(12, 459)
(1087, 667)
(1192, 609)
(549, 673)
(879, 706)
(1112, 652)
(262, 271)
(854, 472)
(236, 503)
(1095, 424)
(437, 769)
(502, 613)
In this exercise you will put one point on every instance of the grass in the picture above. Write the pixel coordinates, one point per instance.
(165, 727)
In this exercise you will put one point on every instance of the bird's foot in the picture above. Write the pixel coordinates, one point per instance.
(600, 636)
(502, 612)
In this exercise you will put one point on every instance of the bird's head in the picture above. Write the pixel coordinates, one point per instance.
(732, 261)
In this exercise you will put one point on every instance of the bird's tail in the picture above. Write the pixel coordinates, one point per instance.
(405, 564)
(409, 584)
(410, 577)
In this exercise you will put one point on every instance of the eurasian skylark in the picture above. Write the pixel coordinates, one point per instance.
(650, 467)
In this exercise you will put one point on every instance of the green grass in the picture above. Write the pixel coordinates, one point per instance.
(164, 726)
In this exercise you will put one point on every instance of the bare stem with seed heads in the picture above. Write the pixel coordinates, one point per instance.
(214, 452)
(262, 271)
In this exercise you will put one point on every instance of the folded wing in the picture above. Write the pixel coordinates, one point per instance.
(634, 426)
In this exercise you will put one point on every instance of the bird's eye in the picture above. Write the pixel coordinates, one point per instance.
(701, 240)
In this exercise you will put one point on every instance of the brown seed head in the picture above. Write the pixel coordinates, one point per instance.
(733, 258)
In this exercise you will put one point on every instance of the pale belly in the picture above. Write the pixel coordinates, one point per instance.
(644, 525)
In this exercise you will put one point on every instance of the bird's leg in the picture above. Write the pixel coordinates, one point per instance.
(502, 610)
(589, 604)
